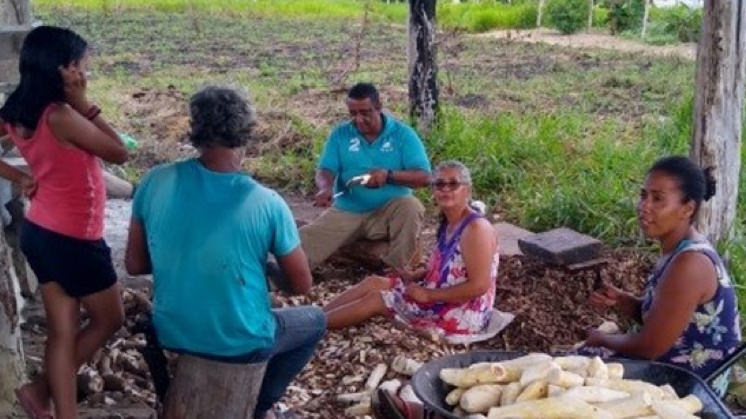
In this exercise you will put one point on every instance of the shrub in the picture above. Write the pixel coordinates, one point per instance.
(681, 22)
(567, 15)
(600, 16)
(625, 15)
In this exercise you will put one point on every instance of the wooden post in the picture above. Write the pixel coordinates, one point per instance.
(590, 15)
(202, 388)
(716, 140)
(423, 88)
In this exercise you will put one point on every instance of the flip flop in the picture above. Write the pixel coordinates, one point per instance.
(384, 406)
(32, 411)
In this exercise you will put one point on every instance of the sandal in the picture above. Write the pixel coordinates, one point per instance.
(33, 412)
(386, 405)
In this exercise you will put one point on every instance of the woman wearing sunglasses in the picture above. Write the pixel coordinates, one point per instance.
(455, 294)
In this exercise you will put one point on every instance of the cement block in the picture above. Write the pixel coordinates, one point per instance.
(561, 246)
(508, 236)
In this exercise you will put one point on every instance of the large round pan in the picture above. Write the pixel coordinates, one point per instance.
(432, 391)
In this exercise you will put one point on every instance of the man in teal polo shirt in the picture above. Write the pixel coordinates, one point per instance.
(368, 168)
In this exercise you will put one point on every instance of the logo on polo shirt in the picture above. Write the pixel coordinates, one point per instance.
(354, 145)
(386, 146)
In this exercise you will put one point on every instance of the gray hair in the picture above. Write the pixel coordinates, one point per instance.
(221, 116)
(463, 171)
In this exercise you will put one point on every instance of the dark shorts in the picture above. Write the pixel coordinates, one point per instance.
(80, 267)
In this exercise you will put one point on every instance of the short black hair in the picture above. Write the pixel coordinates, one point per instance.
(361, 91)
(221, 116)
(44, 51)
(696, 184)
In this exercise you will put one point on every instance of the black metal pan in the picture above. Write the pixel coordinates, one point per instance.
(432, 391)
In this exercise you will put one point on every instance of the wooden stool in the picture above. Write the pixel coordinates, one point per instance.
(205, 389)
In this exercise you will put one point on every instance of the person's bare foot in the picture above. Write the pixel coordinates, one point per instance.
(34, 399)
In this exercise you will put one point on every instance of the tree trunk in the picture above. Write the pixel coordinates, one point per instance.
(539, 13)
(203, 388)
(423, 88)
(11, 349)
(645, 17)
(590, 15)
(716, 140)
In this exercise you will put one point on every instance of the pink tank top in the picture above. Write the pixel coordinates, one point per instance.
(71, 193)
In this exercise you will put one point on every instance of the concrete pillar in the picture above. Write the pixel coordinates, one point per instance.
(16, 21)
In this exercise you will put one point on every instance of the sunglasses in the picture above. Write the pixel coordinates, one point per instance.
(446, 185)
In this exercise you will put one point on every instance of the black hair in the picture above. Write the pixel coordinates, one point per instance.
(361, 91)
(44, 51)
(695, 183)
(221, 116)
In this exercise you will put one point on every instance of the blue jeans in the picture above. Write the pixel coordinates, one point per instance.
(299, 329)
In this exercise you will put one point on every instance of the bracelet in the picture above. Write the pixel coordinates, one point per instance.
(389, 176)
(92, 113)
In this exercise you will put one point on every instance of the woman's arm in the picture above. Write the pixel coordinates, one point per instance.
(478, 246)
(688, 282)
(609, 296)
(13, 174)
(93, 135)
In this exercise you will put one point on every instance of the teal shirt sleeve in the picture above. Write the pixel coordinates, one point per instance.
(330, 155)
(414, 156)
(286, 237)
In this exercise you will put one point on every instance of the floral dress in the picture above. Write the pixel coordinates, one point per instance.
(446, 268)
(713, 331)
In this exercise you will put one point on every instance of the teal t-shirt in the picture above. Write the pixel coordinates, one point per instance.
(209, 235)
(347, 153)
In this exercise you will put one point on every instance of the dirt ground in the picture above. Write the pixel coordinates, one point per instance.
(595, 40)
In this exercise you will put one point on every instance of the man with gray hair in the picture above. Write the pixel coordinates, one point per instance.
(204, 228)
(366, 174)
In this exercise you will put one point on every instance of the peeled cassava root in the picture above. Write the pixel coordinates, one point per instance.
(574, 386)
(360, 401)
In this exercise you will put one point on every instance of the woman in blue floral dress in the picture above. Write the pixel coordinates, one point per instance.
(688, 312)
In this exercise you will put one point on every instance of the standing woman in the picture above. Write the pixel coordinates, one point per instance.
(688, 311)
(62, 136)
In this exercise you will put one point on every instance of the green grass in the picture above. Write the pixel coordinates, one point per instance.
(484, 16)
(665, 26)
(302, 9)
(521, 163)
(471, 17)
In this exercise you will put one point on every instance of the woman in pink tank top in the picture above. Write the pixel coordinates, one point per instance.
(63, 137)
